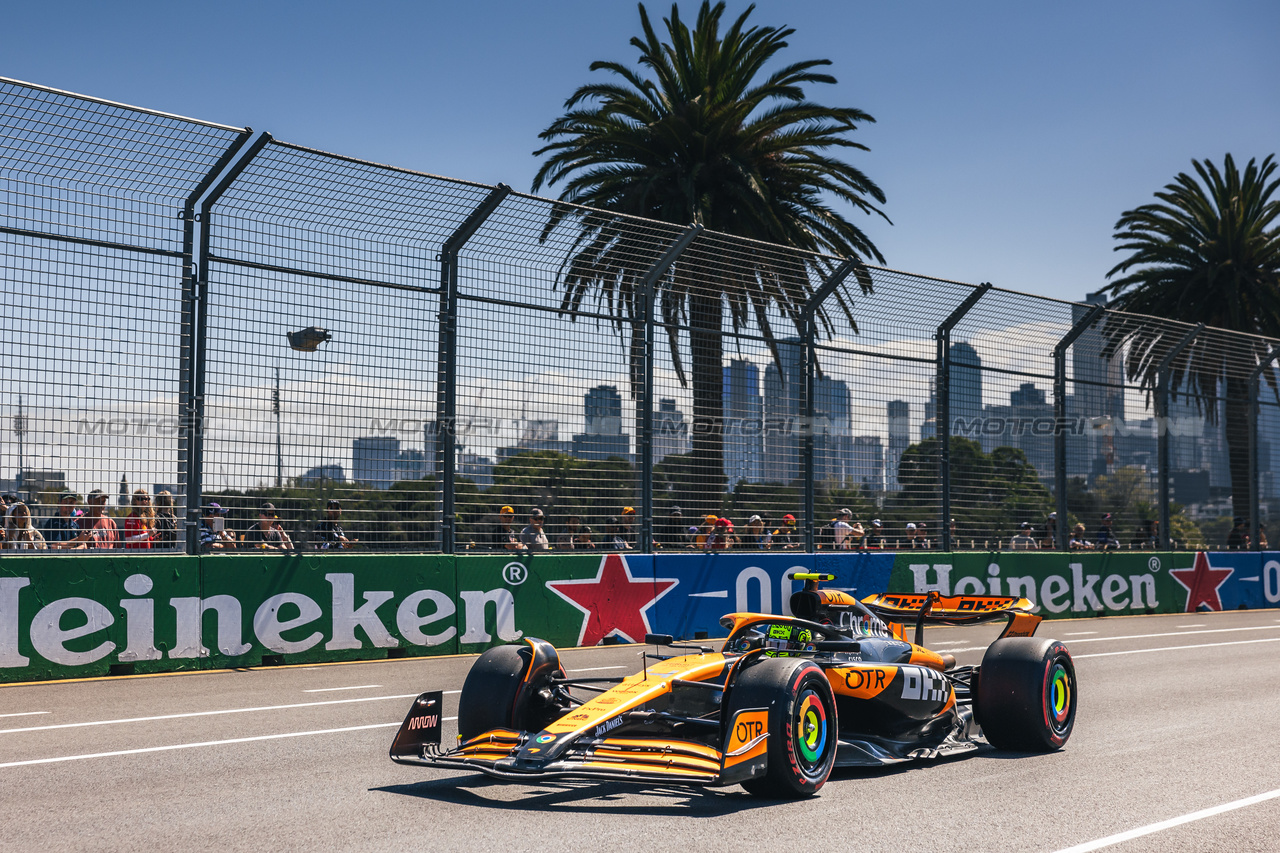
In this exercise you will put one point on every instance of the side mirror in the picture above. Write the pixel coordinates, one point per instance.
(658, 639)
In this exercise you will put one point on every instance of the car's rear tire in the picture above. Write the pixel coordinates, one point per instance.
(801, 746)
(504, 689)
(1026, 698)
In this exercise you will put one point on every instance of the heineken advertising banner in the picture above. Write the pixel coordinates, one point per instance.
(77, 616)
(1109, 582)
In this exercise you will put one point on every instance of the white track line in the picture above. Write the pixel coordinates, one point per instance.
(1178, 648)
(192, 745)
(1121, 837)
(1177, 634)
(26, 714)
(206, 713)
(1078, 633)
(335, 689)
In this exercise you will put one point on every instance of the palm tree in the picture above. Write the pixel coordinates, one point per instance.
(702, 134)
(1208, 251)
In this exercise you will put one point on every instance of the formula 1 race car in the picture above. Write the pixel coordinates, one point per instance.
(785, 700)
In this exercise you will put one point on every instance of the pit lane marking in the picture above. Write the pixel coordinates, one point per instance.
(1151, 828)
(1178, 648)
(334, 689)
(26, 714)
(1177, 633)
(192, 745)
(210, 713)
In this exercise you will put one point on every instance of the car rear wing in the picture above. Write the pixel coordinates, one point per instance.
(933, 608)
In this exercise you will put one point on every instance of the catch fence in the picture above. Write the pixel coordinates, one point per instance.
(207, 311)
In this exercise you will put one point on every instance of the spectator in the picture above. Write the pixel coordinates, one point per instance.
(268, 533)
(584, 541)
(1078, 541)
(503, 536)
(708, 527)
(875, 536)
(785, 537)
(732, 540)
(166, 521)
(567, 541)
(1148, 534)
(1106, 538)
(1262, 536)
(61, 528)
(757, 537)
(328, 533)
(857, 537)
(1023, 540)
(626, 524)
(4, 516)
(1238, 538)
(213, 533)
(533, 536)
(841, 528)
(718, 539)
(140, 524)
(951, 528)
(1050, 538)
(673, 534)
(615, 536)
(19, 533)
(97, 530)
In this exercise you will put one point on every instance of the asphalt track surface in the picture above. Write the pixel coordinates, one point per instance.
(1178, 715)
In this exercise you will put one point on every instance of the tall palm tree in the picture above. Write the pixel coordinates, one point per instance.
(702, 133)
(1208, 251)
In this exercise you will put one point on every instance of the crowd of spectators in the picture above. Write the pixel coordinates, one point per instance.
(152, 524)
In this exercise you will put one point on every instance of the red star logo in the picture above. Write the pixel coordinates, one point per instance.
(1202, 581)
(613, 602)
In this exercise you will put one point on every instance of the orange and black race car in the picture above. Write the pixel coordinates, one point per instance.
(786, 699)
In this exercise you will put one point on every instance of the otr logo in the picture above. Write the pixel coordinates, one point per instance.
(748, 730)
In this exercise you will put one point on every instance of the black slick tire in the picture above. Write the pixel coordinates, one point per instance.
(500, 692)
(1027, 697)
(802, 725)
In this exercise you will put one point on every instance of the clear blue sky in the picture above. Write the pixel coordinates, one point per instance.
(1009, 136)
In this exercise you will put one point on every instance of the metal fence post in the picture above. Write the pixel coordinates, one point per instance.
(942, 405)
(447, 361)
(809, 333)
(1060, 418)
(644, 435)
(1255, 496)
(195, 306)
(1162, 429)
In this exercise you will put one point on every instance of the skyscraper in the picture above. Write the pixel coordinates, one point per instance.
(374, 460)
(603, 436)
(899, 440)
(782, 391)
(743, 444)
(670, 432)
(966, 392)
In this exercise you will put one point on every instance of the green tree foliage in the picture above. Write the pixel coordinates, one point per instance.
(1207, 251)
(1002, 489)
(707, 131)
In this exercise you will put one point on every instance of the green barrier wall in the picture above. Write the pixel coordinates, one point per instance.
(85, 616)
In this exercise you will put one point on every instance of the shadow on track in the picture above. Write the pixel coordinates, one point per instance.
(583, 797)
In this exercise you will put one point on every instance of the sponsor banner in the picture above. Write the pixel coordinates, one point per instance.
(565, 599)
(860, 572)
(702, 587)
(63, 617)
(1103, 583)
(304, 608)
